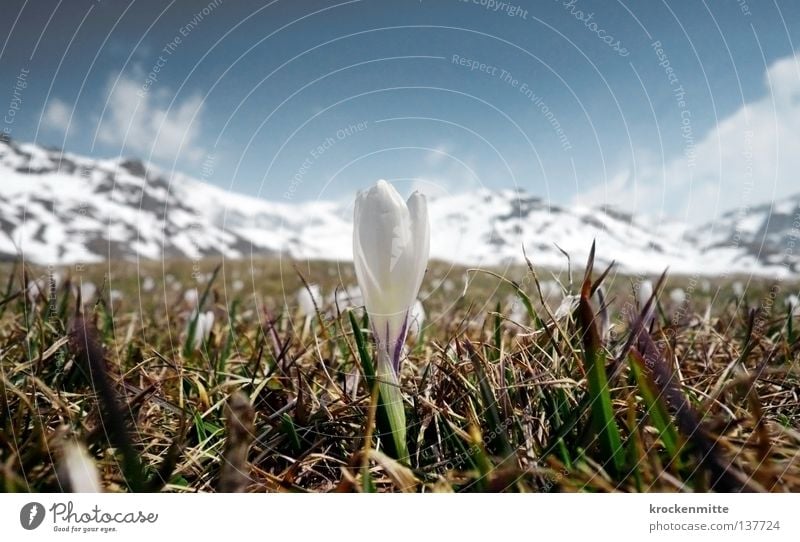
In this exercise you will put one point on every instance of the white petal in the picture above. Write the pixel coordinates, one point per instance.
(309, 299)
(79, 469)
(391, 243)
(421, 233)
(383, 251)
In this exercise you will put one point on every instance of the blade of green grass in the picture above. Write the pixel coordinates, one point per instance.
(602, 411)
(656, 410)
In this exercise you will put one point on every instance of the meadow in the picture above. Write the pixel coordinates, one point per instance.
(191, 376)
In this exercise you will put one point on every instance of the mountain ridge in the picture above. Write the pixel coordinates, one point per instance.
(63, 208)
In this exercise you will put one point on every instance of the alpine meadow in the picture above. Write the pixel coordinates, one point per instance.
(544, 249)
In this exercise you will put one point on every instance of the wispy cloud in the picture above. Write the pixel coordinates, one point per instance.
(445, 171)
(748, 158)
(142, 121)
(56, 115)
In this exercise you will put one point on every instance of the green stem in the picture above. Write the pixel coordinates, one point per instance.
(391, 398)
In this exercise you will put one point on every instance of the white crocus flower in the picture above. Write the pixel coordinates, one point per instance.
(793, 303)
(344, 298)
(309, 300)
(603, 321)
(115, 295)
(87, 290)
(191, 297)
(517, 311)
(566, 307)
(416, 319)
(391, 243)
(202, 330)
(550, 289)
(78, 471)
(33, 291)
(643, 296)
(148, 284)
(677, 296)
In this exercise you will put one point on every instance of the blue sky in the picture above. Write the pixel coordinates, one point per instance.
(677, 108)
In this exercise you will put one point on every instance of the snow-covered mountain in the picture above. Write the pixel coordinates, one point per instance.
(61, 208)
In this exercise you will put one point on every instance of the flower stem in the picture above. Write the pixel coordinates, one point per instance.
(392, 401)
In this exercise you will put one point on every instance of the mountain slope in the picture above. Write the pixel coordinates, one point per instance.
(61, 208)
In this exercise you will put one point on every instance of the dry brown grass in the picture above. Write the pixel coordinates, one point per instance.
(492, 404)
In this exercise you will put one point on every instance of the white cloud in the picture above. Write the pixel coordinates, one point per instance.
(433, 188)
(445, 172)
(56, 115)
(750, 157)
(141, 120)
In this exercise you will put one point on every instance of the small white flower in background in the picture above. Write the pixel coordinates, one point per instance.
(601, 310)
(191, 297)
(391, 244)
(345, 298)
(45, 286)
(148, 284)
(705, 286)
(237, 285)
(677, 296)
(448, 285)
(738, 288)
(516, 309)
(550, 289)
(643, 295)
(34, 291)
(87, 290)
(567, 306)
(77, 470)
(793, 303)
(54, 280)
(416, 320)
(309, 300)
(202, 331)
(115, 295)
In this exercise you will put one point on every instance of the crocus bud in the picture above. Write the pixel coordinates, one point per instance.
(391, 242)
(203, 326)
(793, 304)
(677, 296)
(416, 320)
(603, 322)
(643, 296)
(87, 290)
(77, 471)
(309, 299)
